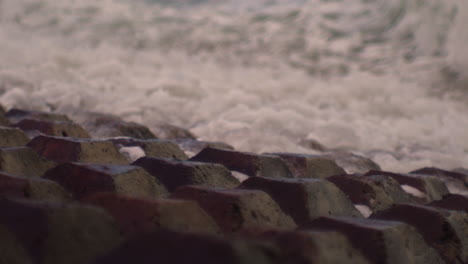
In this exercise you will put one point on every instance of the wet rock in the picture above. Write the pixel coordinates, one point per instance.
(377, 192)
(424, 187)
(168, 131)
(106, 125)
(386, 242)
(304, 199)
(169, 247)
(52, 233)
(173, 173)
(23, 161)
(235, 210)
(153, 147)
(16, 115)
(52, 128)
(456, 182)
(351, 162)
(63, 150)
(85, 179)
(137, 216)
(32, 188)
(193, 146)
(446, 231)
(312, 144)
(316, 247)
(452, 202)
(12, 137)
(310, 166)
(250, 164)
(3, 120)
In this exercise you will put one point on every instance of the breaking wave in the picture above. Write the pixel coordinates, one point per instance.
(385, 78)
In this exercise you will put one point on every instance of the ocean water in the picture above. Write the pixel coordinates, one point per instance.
(384, 78)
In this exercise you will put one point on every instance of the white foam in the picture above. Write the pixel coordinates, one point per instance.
(413, 191)
(240, 176)
(132, 153)
(258, 80)
(364, 210)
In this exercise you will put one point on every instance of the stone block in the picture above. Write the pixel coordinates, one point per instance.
(174, 173)
(386, 242)
(250, 164)
(444, 230)
(12, 137)
(304, 199)
(138, 216)
(85, 179)
(310, 166)
(61, 150)
(52, 128)
(237, 210)
(23, 161)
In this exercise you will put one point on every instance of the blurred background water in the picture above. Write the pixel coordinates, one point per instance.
(384, 78)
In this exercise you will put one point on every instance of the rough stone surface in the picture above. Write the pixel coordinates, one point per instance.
(137, 216)
(63, 150)
(310, 166)
(12, 137)
(432, 187)
(378, 192)
(456, 182)
(3, 120)
(237, 210)
(173, 173)
(444, 230)
(250, 164)
(170, 247)
(193, 146)
(153, 147)
(304, 199)
(16, 115)
(386, 242)
(452, 202)
(23, 161)
(168, 131)
(106, 125)
(86, 179)
(314, 247)
(351, 162)
(52, 233)
(31, 188)
(52, 128)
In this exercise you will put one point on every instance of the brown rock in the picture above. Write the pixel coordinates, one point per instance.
(237, 210)
(106, 125)
(452, 202)
(12, 137)
(169, 247)
(153, 147)
(32, 188)
(456, 182)
(376, 192)
(304, 199)
(314, 247)
(52, 128)
(351, 162)
(195, 146)
(386, 242)
(53, 233)
(430, 188)
(250, 164)
(3, 120)
(137, 216)
(310, 166)
(23, 161)
(173, 173)
(86, 179)
(446, 231)
(64, 150)
(168, 131)
(16, 115)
